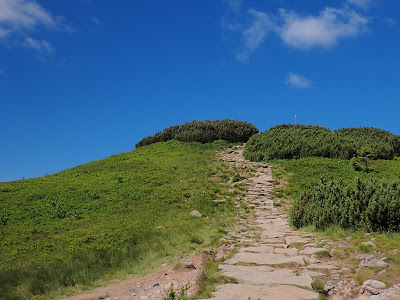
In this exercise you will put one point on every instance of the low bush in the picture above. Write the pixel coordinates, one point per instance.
(204, 132)
(297, 141)
(369, 204)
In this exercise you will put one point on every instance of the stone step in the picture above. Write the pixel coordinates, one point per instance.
(264, 259)
(264, 275)
(245, 292)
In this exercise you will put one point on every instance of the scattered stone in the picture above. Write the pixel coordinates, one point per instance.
(376, 284)
(195, 213)
(102, 295)
(381, 272)
(187, 265)
(311, 250)
(375, 262)
(369, 243)
(365, 256)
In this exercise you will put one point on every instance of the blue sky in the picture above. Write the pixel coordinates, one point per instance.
(81, 80)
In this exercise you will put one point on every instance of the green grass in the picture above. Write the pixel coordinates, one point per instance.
(125, 214)
(210, 278)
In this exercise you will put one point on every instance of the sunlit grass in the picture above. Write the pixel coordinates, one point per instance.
(126, 214)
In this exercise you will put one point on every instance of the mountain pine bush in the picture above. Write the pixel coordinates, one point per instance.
(369, 204)
(204, 132)
(297, 141)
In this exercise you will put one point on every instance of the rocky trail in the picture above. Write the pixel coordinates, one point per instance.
(272, 261)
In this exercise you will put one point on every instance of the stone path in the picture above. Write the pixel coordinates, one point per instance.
(267, 267)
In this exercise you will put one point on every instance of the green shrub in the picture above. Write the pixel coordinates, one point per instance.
(318, 286)
(237, 178)
(368, 204)
(296, 141)
(172, 295)
(204, 132)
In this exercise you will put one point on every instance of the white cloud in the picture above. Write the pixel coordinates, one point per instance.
(41, 46)
(324, 30)
(20, 14)
(255, 33)
(298, 81)
(364, 4)
(301, 32)
(19, 19)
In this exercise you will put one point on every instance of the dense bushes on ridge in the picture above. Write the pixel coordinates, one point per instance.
(296, 141)
(369, 204)
(204, 132)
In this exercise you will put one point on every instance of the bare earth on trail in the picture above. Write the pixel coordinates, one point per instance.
(152, 286)
(273, 261)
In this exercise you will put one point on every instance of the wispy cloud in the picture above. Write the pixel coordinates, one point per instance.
(2, 71)
(298, 81)
(19, 19)
(234, 5)
(255, 33)
(41, 46)
(364, 4)
(324, 30)
(94, 20)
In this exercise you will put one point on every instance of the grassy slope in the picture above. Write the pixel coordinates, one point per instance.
(126, 212)
(301, 172)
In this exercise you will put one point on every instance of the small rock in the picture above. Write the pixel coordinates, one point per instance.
(369, 243)
(365, 256)
(367, 234)
(374, 263)
(376, 284)
(382, 272)
(352, 284)
(188, 265)
(195, 213)
(102, 295)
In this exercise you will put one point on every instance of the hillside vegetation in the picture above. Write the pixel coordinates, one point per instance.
(340, 197)
(204, 132)
(298, 141)
(128, 212)
(328, 192)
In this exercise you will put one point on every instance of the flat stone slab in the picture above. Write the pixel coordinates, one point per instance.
(261, 249)
(267, 276)
(276, 245)
(264, 259)
(311, 250)
(245, 292)
(287, 251)
(320, 266)
(296, 239)
(273, 240)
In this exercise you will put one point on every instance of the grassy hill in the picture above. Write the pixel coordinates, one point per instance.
(125, 213)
